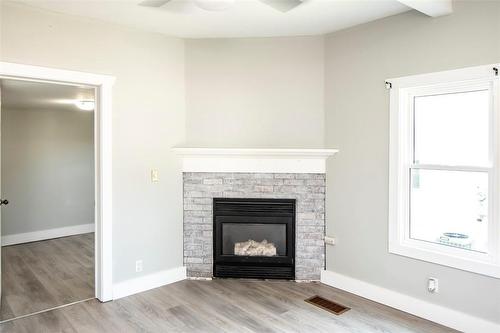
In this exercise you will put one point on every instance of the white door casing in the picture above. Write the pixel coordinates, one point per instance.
(103, 157)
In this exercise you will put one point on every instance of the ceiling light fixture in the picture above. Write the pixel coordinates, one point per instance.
(85, 105)
(214, 5)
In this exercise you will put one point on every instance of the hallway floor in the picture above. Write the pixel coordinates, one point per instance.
(46, 274)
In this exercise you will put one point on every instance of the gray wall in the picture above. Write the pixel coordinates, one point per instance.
(255, 92)
(358, 61)
(47, 169)
(148, 119)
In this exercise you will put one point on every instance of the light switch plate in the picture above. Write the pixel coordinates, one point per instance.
(138, 266)
(155, 176)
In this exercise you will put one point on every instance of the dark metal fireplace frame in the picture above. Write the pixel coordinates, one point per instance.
(262, 211)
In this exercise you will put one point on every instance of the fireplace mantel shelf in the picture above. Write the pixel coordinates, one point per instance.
(281, 152)
(258, 160)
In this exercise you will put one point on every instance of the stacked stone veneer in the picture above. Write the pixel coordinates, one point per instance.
(308, 189)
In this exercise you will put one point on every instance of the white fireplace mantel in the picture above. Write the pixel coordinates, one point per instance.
(257, 160)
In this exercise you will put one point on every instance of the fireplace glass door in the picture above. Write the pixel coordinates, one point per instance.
(254, 238)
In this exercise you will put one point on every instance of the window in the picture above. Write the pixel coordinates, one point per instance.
(444, 168)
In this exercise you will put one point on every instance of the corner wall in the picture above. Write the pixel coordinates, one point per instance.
(255, 92)
(358, 60)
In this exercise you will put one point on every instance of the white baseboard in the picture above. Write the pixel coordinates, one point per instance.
(47, 234)
(147, 282)
(433, 312)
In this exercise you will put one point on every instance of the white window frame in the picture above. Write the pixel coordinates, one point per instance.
(402, 93)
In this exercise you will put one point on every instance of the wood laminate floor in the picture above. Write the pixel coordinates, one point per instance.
(226, 306)
(46, 274)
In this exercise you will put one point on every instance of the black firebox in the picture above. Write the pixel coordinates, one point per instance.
(254, 238)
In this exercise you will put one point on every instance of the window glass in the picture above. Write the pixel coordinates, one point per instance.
(452, 129)
(450, 208)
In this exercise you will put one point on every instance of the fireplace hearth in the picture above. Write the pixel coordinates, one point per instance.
(254, 238)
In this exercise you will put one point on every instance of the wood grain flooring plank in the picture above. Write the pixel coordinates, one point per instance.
(226, 305)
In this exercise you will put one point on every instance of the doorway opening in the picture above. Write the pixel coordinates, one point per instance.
(48, 193)
(90, 228)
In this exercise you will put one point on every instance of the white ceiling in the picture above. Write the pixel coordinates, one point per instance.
(22, 95)
(246, 18)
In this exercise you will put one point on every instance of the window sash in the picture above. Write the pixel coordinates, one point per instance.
(486, 256)
(450, 89)
(443, 167)
(402, 161)
(453, 88)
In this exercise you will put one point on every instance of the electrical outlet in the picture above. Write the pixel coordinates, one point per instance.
(433, 285)
(155, 176)
(329, 240)
(138, 266)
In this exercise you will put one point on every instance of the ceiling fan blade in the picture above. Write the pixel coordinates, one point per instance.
(153, 3)
(282, 5)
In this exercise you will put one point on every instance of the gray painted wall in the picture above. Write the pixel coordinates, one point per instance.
(358, 61)
(47, 169)
(255, 92)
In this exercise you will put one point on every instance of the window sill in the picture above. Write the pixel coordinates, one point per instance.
(486, 267)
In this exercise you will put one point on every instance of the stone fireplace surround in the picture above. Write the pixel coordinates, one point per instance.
(254, 173)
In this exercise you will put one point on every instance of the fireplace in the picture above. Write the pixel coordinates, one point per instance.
(254, 238)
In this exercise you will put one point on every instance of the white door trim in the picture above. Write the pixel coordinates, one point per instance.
(103, 158)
